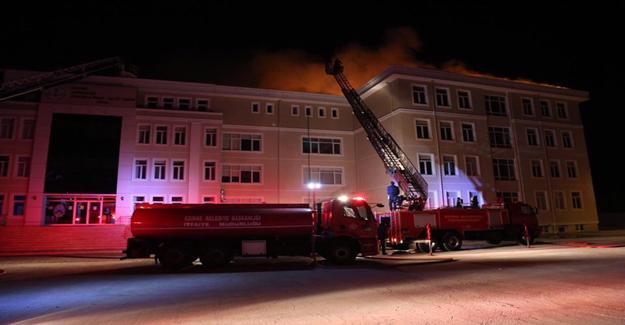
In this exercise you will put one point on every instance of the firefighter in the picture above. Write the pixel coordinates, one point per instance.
(392, 191)
(383, 234)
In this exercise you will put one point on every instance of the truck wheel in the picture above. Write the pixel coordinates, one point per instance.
(451, 241)
(215, 257)
(173, 257)
(342, 253)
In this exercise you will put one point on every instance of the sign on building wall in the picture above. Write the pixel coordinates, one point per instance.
(87, 94)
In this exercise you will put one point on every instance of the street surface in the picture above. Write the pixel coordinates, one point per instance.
(545, 284)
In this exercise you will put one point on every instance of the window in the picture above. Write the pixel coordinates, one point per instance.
(495, 105)
(308, 111)
(425, 164)
(1, 204)
(537, 168)
(151, 102)
(23, 166)
(160, 167)
(138, 199)
(269, 108)
(541, 200)
(144, 133)
(180, 135)
(28, 129)
(561, 110)
(294, 110)
(447, 131)
(504, 169)
(423, 129)
(508, 197)
(452, 198)
(545, 109)
(324, 175)
(202, 104)
(209, 170)
(184, 104)
(141, 167)
(567, 139)
(464, 99)
(255, 107)
(19, 202)
(209, 199)
(242, 142)
(528, 106)
(321, 112)
(554, 168)
(161, 134)
(576, 200)
(571, 169)
(335, 112)
(177, 199)
(468, 132)
(241, 174)
(177, 172)
(4, 166)
(532, 137)
(550, 138)
(419, 96)
(158, 199)
(499, 137)
(168, 102)
(327, 146)
(7, 125)
(559, 200)
(442, 97)
(579, 227)
(210, 137)
(449, 165)
(472, 165)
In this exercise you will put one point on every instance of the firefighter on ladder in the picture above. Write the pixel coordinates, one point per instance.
(393, 193)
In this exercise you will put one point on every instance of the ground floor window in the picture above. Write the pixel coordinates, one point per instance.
(80, 209)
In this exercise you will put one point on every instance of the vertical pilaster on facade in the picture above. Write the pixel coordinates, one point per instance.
(196, 134)
(125, 188)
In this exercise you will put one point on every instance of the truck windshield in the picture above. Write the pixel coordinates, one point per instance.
(362, 211)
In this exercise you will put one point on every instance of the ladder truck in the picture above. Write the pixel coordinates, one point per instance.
(397, 164)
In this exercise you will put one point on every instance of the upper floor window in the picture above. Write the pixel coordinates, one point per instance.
(23, 166)
(559, 200)
(442, 97)
(323, 175)
(202, 104)
(528, 106)
(576, 200)
(495, 105)
(449, 165)
(472, 166)
(425, 164)
(209, 170)
(541, 200)
(532, 137)
(184, 104)
(321, 112)
(269, 108)
(180, 135)
(545, 109)
(177, 172)
(151, 102)
(508, 197)
(210, 137)
(7, 127)
(19, 201)
(241, 174)
(504, 169)
(161, 134)
(28, 129)
(168, 102)
(141, 168)
(423, 129)
(468, 132)
(561, 110)
(567, 139)
(4, 166)
(144, 133)
(464, 99)
(447, 131)
(255, 107)
(537, 168)
(160, 167)
(328, 146)
(308, 111)
(571, 169)
(294, 110)
(554, 168)
(499, 137)
(550, 138)
(242, 142)
(335, 112)
(419, 95)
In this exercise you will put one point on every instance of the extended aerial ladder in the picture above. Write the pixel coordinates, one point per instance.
(398, 166)
(39, 82)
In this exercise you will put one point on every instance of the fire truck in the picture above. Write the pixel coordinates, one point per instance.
(178, 234)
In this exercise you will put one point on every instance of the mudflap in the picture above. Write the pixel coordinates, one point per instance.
(369, 246)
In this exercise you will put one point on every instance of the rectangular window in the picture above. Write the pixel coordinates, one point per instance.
(210, 137)
(177, 199)
(141, 167)
(158, 199)
(537, 168)
(545, 109)
(464, 99)
(571, 169)
(209, 199)
(202, 105)
(449, 165)
(241, 174)
(423, 129)
(326, 146)
(1, 204)
(508, 197)
(442, 97)
(554, 168)
(528, 106)
(23, 166)
(579, 227)
(4, 166)
(559, 200)
(562, 110)
(180, 135)
(28, 129)
(576, 200)
(160, 167)
(468, 132)
(472, 166)
(168, 102)
(495, 105)
(255, 107)
(19, 201)
(567, 139)
(7, 126)
(550, 138)
(541, 200)
(184, 104)
(209, 170)
(419, 95)
(335, 112)
(499, 137)
(425, 164)
(323, 175)
(242, 142)
(177, 172)
(294, 110)
(308, 111)
(161, 134)
(144, 133)
(532, 137)
(504, 169)
(151, 102)
(138, 199)
(321, 112)
(269, 108)
(447, 131)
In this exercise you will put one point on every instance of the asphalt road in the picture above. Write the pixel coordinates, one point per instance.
(545, 284)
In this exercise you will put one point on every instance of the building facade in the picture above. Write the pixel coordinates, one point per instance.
(182, 142)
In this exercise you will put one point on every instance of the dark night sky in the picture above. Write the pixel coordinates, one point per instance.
(560, 42)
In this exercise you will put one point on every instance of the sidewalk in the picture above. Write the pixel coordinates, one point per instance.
(602, 238)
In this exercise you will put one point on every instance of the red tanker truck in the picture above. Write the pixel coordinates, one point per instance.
(450, 226)
(178, 234)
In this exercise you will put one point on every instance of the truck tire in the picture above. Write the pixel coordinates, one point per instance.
(494, 238)
(174, 257)
(342, 252)
(451, 241)
(215, 257)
